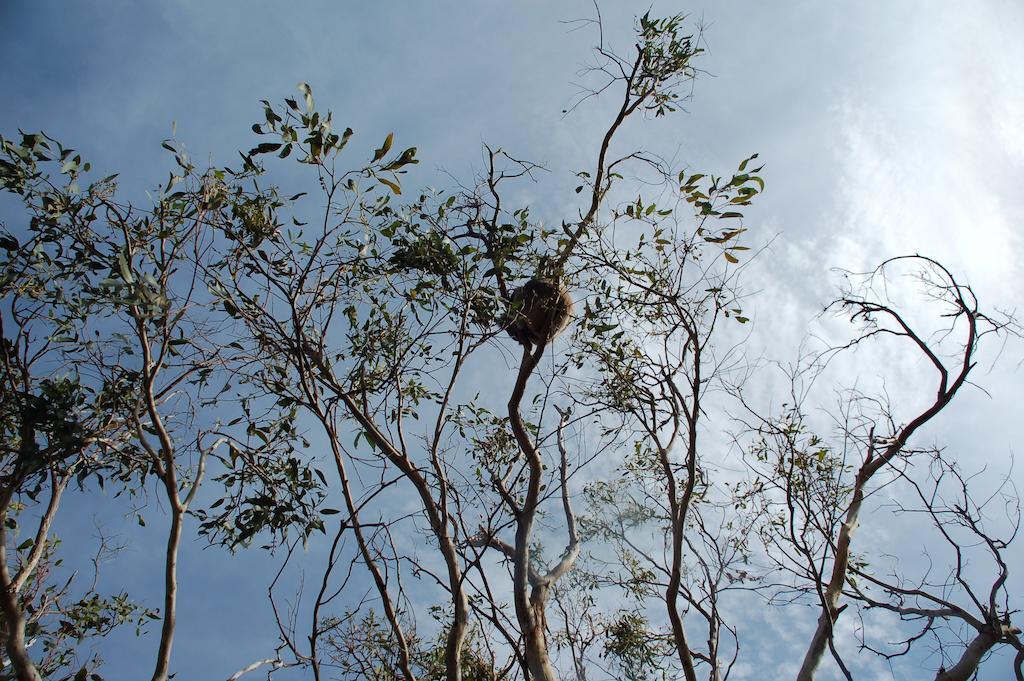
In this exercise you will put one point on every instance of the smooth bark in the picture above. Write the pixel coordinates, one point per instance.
(14, 614)
(968, 663)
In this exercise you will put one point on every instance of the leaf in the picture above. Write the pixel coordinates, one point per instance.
(393, 186)
(730, 257)
(408, 157)
(384, 148)
(126, 273)
(307, 93)
(265, 148)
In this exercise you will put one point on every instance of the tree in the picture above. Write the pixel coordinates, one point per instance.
(107, 356)
(814, 493)
(240, 327)
(393, 284)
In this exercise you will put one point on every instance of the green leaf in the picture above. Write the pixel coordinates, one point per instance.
(126, 273)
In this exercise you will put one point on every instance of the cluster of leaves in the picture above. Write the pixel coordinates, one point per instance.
(363, 647)
(665, 61)
(264, 491)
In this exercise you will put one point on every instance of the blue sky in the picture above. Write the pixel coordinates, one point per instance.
(886, 128)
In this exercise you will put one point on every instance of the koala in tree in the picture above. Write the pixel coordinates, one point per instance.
(540, 309)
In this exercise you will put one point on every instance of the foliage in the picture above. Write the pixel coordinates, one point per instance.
(317, 360)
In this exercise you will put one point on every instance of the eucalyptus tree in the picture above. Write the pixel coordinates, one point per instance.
(366, 318)
(813, 490)
(661, 353)
(56, 427)
(109, 354)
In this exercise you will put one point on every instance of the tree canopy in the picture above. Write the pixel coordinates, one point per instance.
(302, 356)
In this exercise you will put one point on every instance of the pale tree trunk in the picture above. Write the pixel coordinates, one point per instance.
(163, 656)
(968, 663)
(875, 461)
(439, 525)
(164, 464)
(830, 606)
(530, 589)
(680, 508)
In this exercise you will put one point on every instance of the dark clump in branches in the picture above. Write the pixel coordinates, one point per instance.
(541, 309)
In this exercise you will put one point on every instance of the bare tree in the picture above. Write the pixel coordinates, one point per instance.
(813, 506)
(952, 601)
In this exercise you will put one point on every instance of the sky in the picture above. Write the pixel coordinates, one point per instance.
(885, 128)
